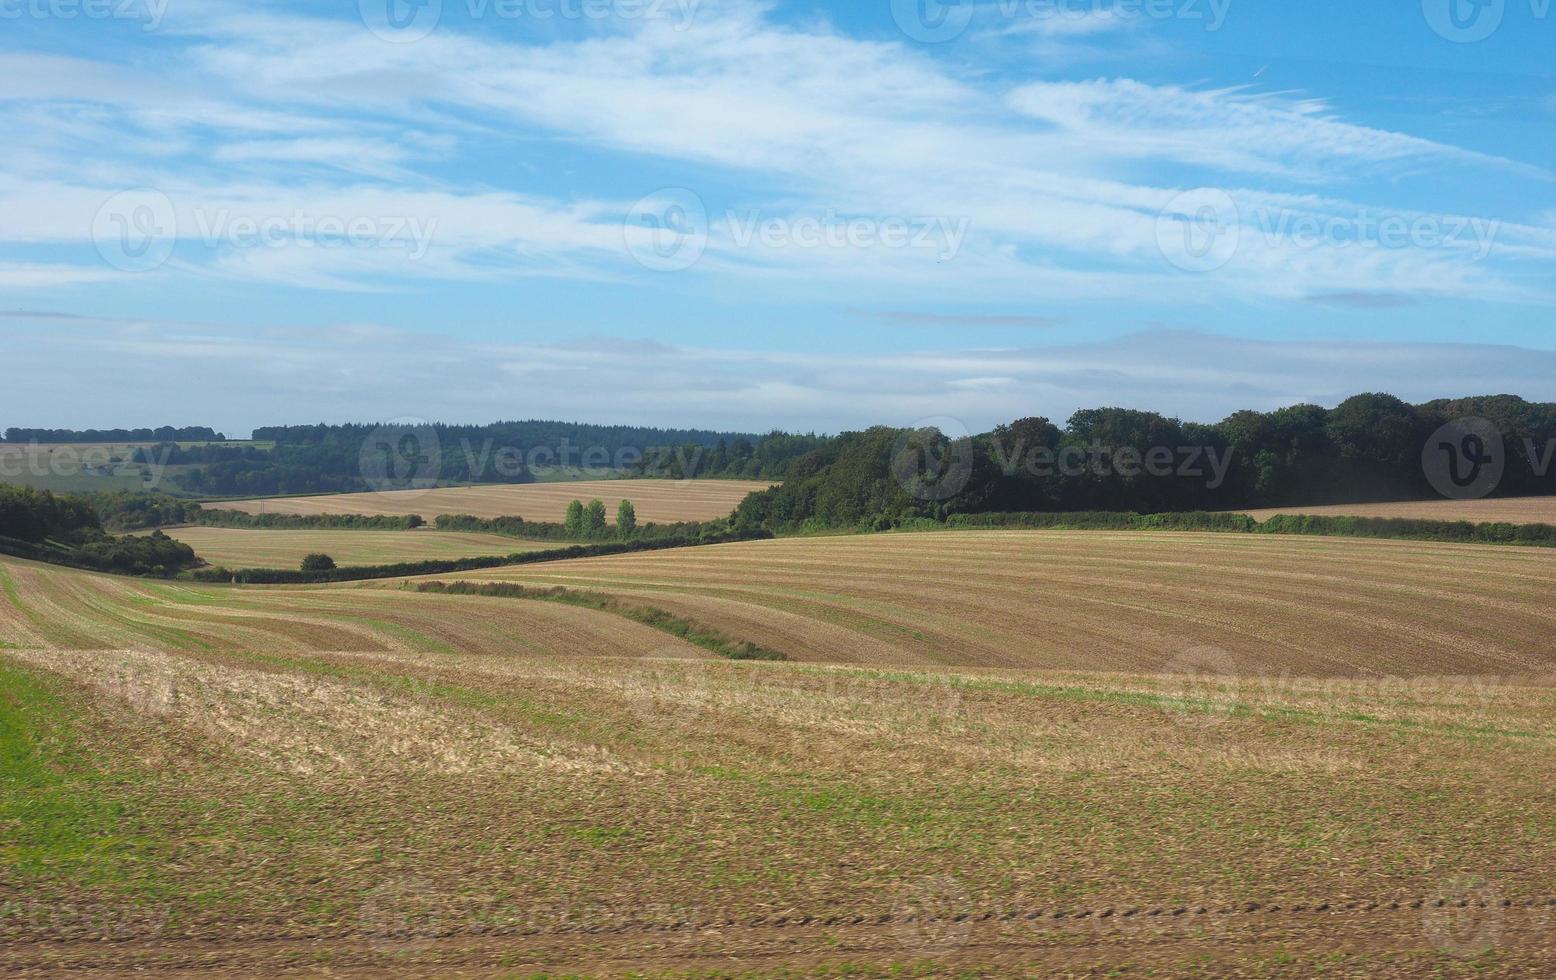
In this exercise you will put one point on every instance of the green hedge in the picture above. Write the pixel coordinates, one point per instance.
(305, 522)
(352, 573)
(659, 619)
(1097, 520)
(1411, 528)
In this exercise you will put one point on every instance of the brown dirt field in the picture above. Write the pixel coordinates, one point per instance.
(243, 548)
(359, 781)
(661, 501)
(1511, 510)
(1090, 600)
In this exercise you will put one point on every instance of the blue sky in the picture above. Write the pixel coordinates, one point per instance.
(811, 215)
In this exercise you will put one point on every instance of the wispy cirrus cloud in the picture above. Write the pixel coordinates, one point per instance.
(270, 112)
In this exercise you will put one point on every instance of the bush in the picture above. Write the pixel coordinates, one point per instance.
(318, 562)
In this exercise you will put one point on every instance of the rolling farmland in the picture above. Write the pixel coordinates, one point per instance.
(1005, 751)
(1092, 600)
(244, 548)
(1511, 510)
(662, 501)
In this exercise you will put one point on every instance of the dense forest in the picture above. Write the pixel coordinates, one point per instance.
(344, 458)
(768, 458)
(1368, 448)
(67, 529)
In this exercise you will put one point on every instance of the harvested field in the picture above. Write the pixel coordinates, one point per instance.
(361, 779)
(662, 501)
(1094, 600)
(1510, 510)
(243, 548)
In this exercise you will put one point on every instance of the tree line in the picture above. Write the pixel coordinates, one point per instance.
(66, 529)
(1368, 448)
(163, 433)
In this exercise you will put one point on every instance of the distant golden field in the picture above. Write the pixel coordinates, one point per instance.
(662, 501)
(243, 548)
(1011, 753)
(1511, 510)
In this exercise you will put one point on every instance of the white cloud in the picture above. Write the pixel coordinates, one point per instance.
(268, 114)
(278, 375)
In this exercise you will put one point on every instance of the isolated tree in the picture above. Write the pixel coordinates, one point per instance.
(594, 519)
(626, 520)
(574, 523)
(318, 562)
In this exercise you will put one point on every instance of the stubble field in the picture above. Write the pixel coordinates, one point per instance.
(1510, 510)
(244, 548)
(662, 501)
(358, 779)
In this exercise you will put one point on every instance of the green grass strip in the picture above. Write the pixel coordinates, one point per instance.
(666, 622)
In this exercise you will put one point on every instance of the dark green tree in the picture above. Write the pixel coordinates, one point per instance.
(574, 522)
(318, 562)
(626, 520)
(594, 519)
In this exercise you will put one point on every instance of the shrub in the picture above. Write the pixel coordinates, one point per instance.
(318, 562)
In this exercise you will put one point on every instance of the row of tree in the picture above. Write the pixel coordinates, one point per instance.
(587, 521)
(162, 433)
(768, 458)
(1368, 448)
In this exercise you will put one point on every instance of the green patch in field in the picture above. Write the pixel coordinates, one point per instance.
(59, 814)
